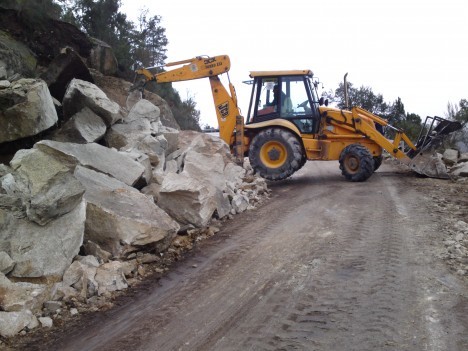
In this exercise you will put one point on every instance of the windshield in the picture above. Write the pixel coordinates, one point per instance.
(292, 97)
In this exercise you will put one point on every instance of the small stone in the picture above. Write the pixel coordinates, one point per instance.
(141, 270)
(4, 84)
(52, 306)
(46, 322)
(148, 258)
(73, 311)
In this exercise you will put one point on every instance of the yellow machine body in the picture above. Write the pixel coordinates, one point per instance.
(278, 136)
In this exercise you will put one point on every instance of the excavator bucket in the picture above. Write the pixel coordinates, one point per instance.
(139, 82)
(425, 160)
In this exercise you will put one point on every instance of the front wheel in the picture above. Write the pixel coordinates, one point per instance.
(275, 153)
(377, 162)
(356, 163)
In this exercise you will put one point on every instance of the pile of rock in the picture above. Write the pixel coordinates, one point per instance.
(456, 244)
(80, 220)
(456, 162)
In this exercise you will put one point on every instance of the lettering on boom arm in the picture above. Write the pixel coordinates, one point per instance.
(211, 63)
(223, 110)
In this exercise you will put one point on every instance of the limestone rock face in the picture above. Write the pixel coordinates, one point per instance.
(26, 109)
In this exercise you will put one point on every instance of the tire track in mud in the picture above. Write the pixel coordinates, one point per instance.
(353, 301)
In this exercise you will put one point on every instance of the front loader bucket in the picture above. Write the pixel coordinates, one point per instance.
(425, 160)
(429, 164)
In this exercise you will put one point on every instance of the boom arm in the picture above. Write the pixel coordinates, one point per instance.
(205, 67)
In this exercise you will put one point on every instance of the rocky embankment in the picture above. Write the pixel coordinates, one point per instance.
(96, 193)
(79, 220)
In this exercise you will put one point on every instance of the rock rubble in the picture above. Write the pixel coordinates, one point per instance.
(107, 198)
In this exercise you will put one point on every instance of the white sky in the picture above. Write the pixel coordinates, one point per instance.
(413, 49)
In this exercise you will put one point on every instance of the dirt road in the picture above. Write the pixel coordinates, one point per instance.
(325, 265)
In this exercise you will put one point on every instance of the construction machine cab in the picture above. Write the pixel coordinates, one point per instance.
(287, 95)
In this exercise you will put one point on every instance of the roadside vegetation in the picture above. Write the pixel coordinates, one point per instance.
(140, 44)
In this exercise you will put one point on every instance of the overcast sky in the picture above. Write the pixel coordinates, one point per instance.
(413, 49)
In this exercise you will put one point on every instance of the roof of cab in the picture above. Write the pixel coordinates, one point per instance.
(303, 72)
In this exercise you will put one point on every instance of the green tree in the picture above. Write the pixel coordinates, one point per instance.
(133, 45)
(411, 125)
(458, 113)
(395, 113)
(151, 41)
(398, 117)
(102, 19)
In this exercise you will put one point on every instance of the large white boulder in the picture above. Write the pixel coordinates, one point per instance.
(82, 94)
(95, 156)
(187, 200)
(43, 251)
(119, 216)
(83, 127)
(26, 109)
(11, 323)
(47, 186)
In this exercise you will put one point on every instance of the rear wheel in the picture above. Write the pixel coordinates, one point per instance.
(275, 153)
(356, 163)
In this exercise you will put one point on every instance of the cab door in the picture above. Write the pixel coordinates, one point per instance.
(288, 97)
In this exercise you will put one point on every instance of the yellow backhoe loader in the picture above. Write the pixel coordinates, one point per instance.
(288, 124)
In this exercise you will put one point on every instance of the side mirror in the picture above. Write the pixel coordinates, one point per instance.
(326, 102)
(322, 101)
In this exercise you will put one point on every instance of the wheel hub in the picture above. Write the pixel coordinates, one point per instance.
(352, 164)
(274, 154)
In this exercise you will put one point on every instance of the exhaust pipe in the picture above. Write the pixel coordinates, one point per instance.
(346, 95)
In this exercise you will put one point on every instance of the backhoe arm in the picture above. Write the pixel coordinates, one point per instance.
(195, 68)
(227, 110)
